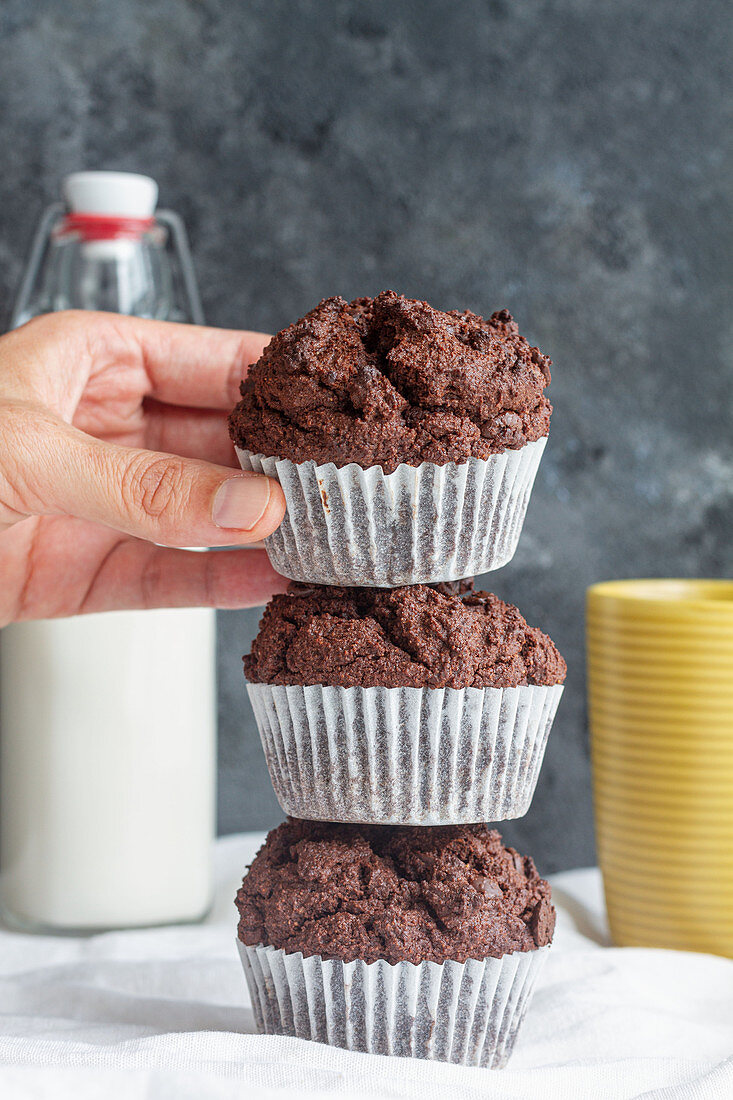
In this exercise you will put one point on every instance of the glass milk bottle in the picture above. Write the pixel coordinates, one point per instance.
(108, 721)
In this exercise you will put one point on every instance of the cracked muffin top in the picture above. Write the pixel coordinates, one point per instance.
(445, 635)
(402, 894)
(386, 380)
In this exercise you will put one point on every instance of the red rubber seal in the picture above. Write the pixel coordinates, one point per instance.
(103, 227)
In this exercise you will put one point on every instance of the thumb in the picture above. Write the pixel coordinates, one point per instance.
(49, 467)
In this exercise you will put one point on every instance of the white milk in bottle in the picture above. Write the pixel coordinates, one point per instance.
(108, 721)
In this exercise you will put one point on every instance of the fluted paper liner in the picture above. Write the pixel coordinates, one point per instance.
(468, 1013)
(417, 525)
(404, 756)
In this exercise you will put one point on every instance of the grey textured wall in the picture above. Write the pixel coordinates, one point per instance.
(567, 159)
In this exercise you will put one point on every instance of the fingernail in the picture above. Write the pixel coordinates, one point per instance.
(240, 502)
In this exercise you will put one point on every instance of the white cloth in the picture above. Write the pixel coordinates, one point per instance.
(162, 1014)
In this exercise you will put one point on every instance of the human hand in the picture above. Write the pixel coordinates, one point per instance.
(109, 430)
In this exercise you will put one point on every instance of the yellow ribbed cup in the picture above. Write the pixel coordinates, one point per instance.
(660, 684)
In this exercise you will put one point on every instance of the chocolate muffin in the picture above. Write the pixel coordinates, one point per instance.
(406, 440)
(410, 706)
(385, 380)
(399, 894)
(424, 943)
(419, 636)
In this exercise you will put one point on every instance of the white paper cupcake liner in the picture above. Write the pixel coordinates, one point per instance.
(468, 1013)
(417, 525)
(404, 756)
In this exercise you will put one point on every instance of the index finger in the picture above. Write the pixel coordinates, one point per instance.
(191, 365)
(198, 366)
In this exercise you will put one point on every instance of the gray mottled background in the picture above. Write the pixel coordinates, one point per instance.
(568, 159)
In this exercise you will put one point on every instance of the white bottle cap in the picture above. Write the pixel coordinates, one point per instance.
(115, 194)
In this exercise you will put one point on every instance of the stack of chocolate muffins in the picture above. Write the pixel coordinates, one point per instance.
(399, 709)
